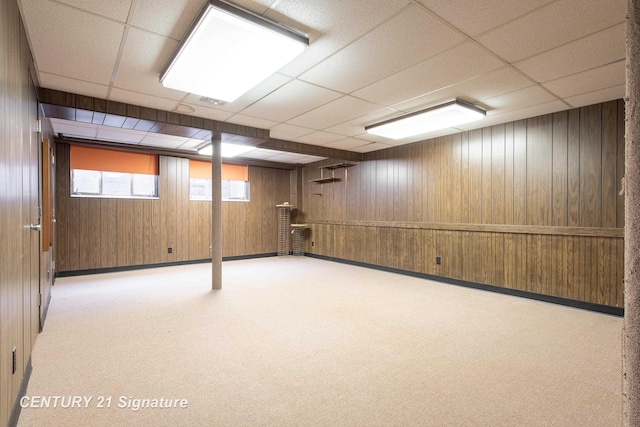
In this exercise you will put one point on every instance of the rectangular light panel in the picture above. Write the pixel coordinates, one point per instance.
(431, 119)
(228, 51)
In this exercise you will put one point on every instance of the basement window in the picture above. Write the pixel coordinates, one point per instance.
(99, 172)
(235, 182)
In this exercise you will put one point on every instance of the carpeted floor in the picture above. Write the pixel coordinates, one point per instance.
(304, 342)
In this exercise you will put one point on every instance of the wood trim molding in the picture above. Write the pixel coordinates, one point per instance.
(484, 228)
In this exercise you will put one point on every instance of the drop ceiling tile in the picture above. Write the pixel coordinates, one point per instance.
(347, 144)
(261, 153)
(589, 81)
(128, 136)
(478, 16)
(75, 129)
(603, 95)
(373, 146)
(492, 84)
(241, 119)
(450, 67)
(335, 112)
(263, 89)
(319, 138)
(164, 141)
(528, 97)
(288, 132)
(192, 144)
(558, 23)
(141, 99)
(285, 157)
(56, 44)
(65, 84)
(356, 126)
(211, 113)
(174, 21)
(310, 159)
(593, 51)
(329, 25)
(519, 114)
(143, 59)
(290, 100)
(114, 9)
(407, 39)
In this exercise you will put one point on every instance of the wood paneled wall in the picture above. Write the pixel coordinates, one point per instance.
(19, 247)
(531, 205)
(105, 233)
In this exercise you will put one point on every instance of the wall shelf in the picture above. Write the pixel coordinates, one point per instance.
(337, 165)
(332, 167)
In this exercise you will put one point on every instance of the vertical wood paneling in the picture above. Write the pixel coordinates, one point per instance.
(559, 169)
(609, 159)
(475, 177)
(590, 166)
(539, 164)
(498, 215)
(520, 172)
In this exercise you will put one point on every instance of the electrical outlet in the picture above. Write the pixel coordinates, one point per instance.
(169, 250)
(313, 243)
(438, 260)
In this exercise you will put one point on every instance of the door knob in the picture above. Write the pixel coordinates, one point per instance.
(36, 227)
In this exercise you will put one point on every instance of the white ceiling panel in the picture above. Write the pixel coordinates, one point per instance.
(356, 126)
(73, 85)
(407, 39)
(135, 98)
(347, 144)
(372, 146)
(143, 59)
(261, 154)
(192, 144)
(263, 89)
(523, 113)
(285, 157)
(174, 21)
(211, 113)
(290, 100)
(288, 132)
(608, 94)
(478, 16)
(241, 119)
(163, 141)
(329, 24)
(528, 97)
(593, 51)
(551, 26)
(74, 129)
(589, 81)
(319, 138)
(443, 70)
(335, 112)
(129, 136)
(56, 46)
(114, 9)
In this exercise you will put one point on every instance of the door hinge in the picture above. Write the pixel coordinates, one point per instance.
(39, 126)
(39, 213)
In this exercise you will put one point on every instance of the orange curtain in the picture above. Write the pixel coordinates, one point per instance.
(202, 169)
(102, 159)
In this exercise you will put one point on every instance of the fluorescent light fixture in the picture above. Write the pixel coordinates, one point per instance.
(228, 150)
(442, 116)
(228, 51)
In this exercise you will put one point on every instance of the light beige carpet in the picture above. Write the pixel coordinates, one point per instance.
(305, 342)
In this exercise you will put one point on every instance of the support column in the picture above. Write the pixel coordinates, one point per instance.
(216, 213)
(631, 328)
